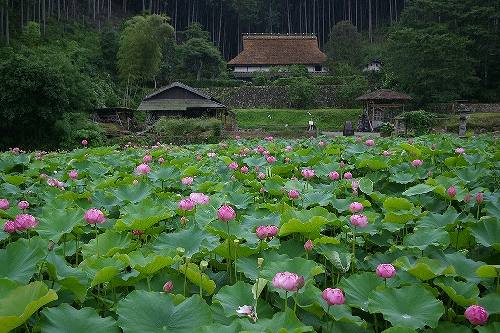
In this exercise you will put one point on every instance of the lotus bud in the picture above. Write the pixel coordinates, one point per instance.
(260, 261)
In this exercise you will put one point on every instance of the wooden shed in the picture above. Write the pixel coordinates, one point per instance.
(382, 106)
(180, 100)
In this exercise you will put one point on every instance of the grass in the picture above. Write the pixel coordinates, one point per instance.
(324, 119)
(477, 121)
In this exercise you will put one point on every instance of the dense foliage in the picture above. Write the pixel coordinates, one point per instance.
(252, 236)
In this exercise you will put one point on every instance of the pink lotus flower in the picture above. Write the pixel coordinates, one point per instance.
(55, 183)
(244, 169)
(266, 231)
(293, 194)
(4, 204)
(308, 245)
(271, 159)
(387, 153)
(356, 207)
(73, 174)
(410, 141)
(44, 176)
(25, 222)
(261, 176)
(137, 232)
(467, 198)
(211, 154)
(94, 216)
(341, 164)
(347, 175)
(186, 205)
(161, 160)
(226, 213)
(451, 191)
(322, 143)
(237, 137)
(369, 142)
(261, 149)
(85, 143)
(333, 296)
(334, 175)
(358, 139)
(269, 138)
(479, 197)
(168, 286)
(288, 281)
(198, 157)
(199, 198)
(187, 181)
(233, 166)
(459, 150)
(16, 150)
(307, 173)
(385, 271)
(9, 227)
(417, 163)
(142, 169)
(147, 159)
(248, 311)
(359, 220)
(287, 159)
(23, 204)
(476, 315)
(288, 149)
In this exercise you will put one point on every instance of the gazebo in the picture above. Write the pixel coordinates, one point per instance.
(382, 106)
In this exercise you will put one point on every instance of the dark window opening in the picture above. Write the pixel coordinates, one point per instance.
(317, 68)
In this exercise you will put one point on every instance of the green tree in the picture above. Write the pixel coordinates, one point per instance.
(140, 50)
(199, 56)
(345, 44)
(31, 34)
(302, 92)
(434, 66)
(109, 43)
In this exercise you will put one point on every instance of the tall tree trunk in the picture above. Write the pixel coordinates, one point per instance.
(390, 11)
(7, 28)
(370, 28)
(22, 14)
(44, 17)
(58, 10)
(220, 25)
(305, 16)
(175, 21)
(288, 16)
(94, 10)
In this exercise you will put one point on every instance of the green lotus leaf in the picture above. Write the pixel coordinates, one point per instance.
(424, 238)
(488, 271)
(321, 198)
(462, 293)
(69, 278)
(412, 306)
(403, 178)
(399, 329)
(149, 264)
(19, 303)
(358, 287)
(133, 193)
(311, 228)
(20, 259)
(375, 163)
(14, 179)
(143, 215)
(281, 322)
(110, 242)
(424, 268)
(104, 269)
(491, 302)
(487, 232)
(300, 266)
(143, 311)
(193, 240)
(239, 200)
(65, 318)
(235, 326)
(193, 274)
(231, 297)
(411, 149)
(493, 327)
(463, 266)
(366, 185)
(436, 220)
(255, 161)
(418, 189)
(394, 204)
(248, 266)
(447, 327)
(165, 173)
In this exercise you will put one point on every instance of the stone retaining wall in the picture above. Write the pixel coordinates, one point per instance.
(265, 96)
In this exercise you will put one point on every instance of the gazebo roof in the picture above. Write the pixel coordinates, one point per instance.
(277, 49)
(384, 95)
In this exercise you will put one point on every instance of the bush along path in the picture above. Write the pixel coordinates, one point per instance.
(264, 235)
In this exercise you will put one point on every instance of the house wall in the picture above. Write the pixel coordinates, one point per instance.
(252, 69)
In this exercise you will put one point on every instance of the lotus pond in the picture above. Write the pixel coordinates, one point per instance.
(312, 235)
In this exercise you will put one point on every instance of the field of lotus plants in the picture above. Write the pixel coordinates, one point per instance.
(312, 235)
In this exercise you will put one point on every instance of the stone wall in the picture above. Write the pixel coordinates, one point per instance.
(264, 96)
(466, 108)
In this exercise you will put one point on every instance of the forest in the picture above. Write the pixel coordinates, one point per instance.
(70, 57)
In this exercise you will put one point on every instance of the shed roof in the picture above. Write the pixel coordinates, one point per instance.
(150, 103)
(384, 95)
(277, 49)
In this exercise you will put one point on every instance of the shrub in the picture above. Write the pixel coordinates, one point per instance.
(349, 89)
(302, 92)
(421, 122)
(72, 128)
(260, 79)
(187, 130)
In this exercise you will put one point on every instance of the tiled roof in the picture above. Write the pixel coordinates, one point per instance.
(276, 49)
(384, 94)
